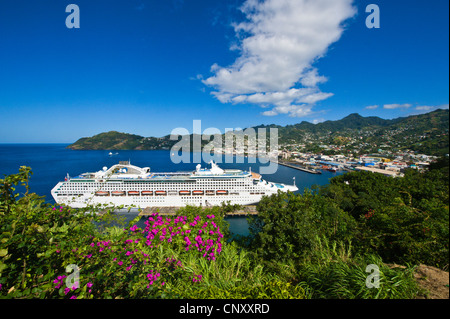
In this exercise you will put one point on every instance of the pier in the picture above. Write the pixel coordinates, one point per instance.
(172, 210)
(311, 171)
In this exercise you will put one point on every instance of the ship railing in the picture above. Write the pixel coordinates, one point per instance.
(172, 173)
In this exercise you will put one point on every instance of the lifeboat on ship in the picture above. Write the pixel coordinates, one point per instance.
(117, 193)
(147, 193)
(222, 192)
(185, 193)
(102, 193)
(197, 192)
(210, 192)
(133, 193)
(160, 193)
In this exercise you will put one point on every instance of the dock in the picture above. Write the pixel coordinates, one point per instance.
(172, 210)
(311, 171)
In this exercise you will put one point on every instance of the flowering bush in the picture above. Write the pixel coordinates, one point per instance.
(143, 251)
(183, 256)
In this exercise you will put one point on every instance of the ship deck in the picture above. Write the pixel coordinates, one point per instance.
(162, 176)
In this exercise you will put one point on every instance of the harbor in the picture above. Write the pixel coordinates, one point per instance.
(304, 169)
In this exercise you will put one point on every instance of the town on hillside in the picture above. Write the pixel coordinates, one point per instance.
(383, 162)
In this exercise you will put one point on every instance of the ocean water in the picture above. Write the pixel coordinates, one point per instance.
(50, 163)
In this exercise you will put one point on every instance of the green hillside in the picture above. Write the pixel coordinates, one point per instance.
(108, 141)
(424, 133)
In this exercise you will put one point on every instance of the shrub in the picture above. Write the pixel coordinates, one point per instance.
(183, 256)
(332, 272)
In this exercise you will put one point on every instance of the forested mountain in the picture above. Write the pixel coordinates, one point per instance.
(424, 133)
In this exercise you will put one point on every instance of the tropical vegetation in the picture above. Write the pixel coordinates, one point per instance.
(315, 245)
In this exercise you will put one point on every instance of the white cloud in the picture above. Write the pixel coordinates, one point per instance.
(270, 113)
(279, 43)
(316, 121)
(396, 106)
(424, 108)
(371, 107)
(312, 78)
(429, 108)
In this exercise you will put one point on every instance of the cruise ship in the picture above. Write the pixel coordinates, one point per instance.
(132, 186)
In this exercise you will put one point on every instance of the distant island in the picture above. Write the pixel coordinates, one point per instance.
(425, 133)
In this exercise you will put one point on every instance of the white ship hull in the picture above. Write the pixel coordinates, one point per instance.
(130, 186)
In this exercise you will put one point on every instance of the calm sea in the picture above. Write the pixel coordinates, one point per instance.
(50, 163)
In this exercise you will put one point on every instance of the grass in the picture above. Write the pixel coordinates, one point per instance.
(332, 272)
(232, 275)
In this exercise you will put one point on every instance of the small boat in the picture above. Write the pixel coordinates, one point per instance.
(210, 192)
(160, 193)
(133, 193)
(333, 169)
(222, 192)
(147, 193)
(117, 193)
(102, 193)
(185, 193)
(197, 192)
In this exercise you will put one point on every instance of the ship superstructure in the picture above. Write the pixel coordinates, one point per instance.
(132, 186)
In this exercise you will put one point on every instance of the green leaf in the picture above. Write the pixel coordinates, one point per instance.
(3, 252)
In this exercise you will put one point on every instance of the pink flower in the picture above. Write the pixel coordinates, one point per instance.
(120, 263)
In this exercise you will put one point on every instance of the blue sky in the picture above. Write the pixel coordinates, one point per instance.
(147, 67)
